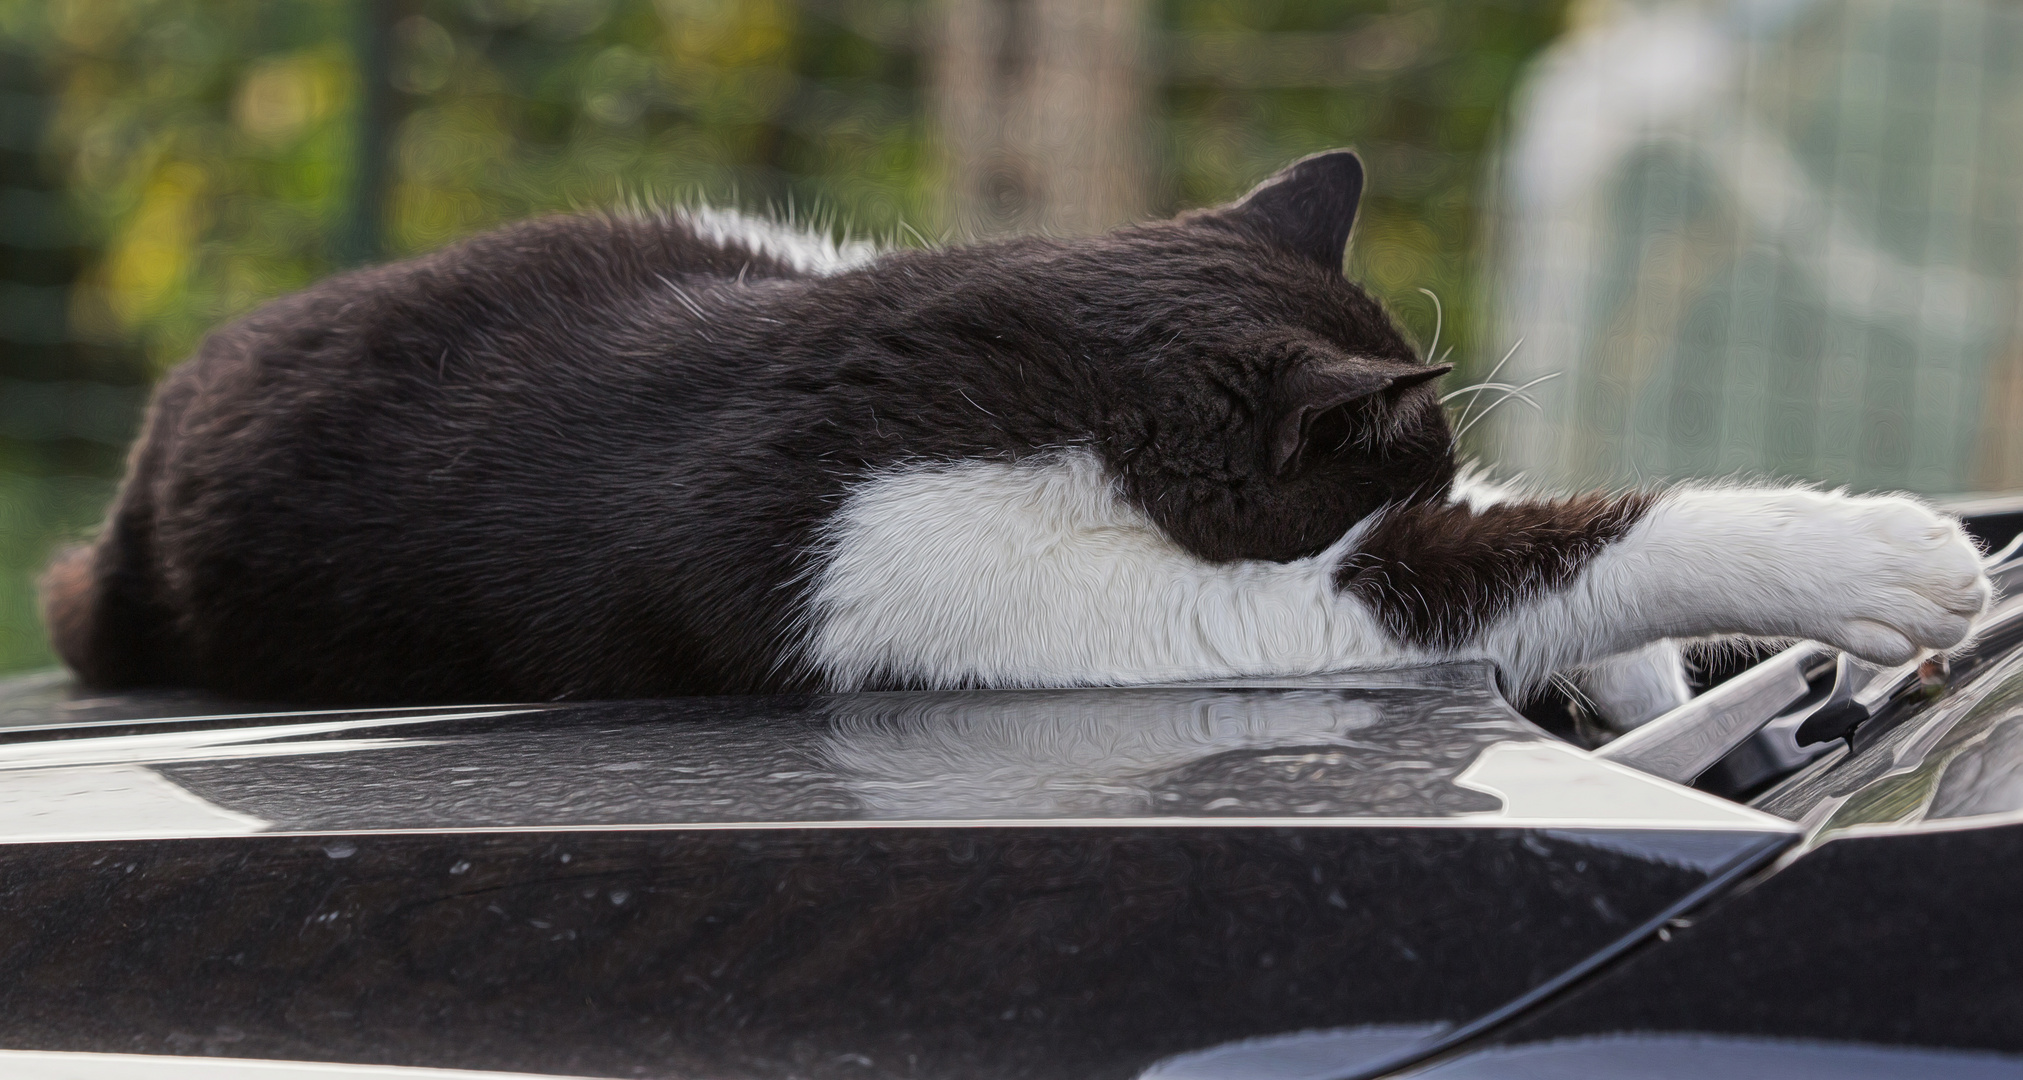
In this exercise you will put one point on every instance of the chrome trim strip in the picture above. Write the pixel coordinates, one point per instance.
(400, 714)
(211, 744)
(1927, 825)
(1769, 827)
(69, 1065)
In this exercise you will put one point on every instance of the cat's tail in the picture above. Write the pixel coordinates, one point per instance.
(68, 606)
(102, 619)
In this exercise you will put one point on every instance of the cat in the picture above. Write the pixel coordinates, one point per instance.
(601, 456)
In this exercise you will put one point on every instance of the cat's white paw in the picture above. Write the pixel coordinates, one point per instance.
(1882, 576)
(1897, 579)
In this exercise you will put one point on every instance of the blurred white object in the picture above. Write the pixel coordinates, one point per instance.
(1768, 236)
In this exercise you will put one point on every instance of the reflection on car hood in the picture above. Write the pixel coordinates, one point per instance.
(1429, 745)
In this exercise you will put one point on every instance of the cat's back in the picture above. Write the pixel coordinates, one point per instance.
(545, 277)
(560, 314)
(403, 434)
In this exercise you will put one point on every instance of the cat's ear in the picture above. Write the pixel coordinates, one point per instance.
(1306, 208)
(1307, 392)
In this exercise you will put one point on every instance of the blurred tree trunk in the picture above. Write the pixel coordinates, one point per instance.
(1041, 109)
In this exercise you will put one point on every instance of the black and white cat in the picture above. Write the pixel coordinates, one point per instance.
(595, 456)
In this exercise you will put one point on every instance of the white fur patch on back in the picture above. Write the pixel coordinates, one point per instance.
(1040, 574)
(810, 253)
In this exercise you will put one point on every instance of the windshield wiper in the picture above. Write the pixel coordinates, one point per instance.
(1687, 741)
(1784, 689)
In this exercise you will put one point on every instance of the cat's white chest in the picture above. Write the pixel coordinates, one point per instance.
(1038, 573)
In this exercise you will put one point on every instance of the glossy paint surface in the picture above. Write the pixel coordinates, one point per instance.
(1906, 939)
(1009, 884)
(1698, 1057)
(1887, 948)
(976, 952)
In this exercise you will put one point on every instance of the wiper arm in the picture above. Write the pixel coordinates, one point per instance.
(1859, 690)
(1683, 743)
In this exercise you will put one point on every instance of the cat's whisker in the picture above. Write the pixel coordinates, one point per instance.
(1542, 378)
(1472, 387)
(1520, 396)
(1491, 377)
(1518, 393)
(1573, 691)
(1439, 322)
(1509, 392)
(1524, 398)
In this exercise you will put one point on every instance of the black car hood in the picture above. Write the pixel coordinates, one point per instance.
(1086, 883)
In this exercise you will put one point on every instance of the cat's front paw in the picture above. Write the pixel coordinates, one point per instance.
(1901, 579)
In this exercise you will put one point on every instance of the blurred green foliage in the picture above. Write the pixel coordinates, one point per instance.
(1420, 88)
(167, 164)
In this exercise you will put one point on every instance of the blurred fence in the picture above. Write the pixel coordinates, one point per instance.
(1769, 236)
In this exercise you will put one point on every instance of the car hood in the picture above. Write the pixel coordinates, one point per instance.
(1035, 883)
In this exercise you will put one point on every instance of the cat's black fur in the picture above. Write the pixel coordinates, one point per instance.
(591, 455)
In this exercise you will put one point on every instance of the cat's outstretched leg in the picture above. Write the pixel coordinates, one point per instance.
(1039, 574)
(1539, 586)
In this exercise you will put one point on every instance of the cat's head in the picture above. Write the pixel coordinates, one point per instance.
(1267, 403)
